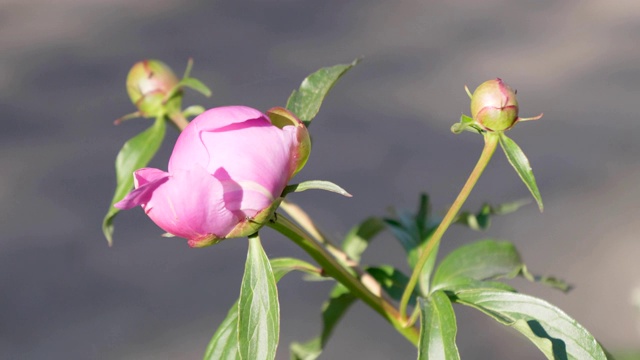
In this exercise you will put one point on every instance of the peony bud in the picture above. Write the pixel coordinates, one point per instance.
(149, 84)
(225, 178)
(494, 106)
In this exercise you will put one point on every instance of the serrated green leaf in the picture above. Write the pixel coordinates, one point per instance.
(258, 306)
(135, 154)
(315, 184)
(360, 235)
(224, 343)
(480, 260)
(306, 101)
(556, 334)
(437, 328)
(196, 85)
(340, 299)
(520, 163)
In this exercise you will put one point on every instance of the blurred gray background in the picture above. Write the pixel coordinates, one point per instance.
(383, 134)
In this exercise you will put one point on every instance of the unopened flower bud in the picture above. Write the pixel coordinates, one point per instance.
(494, 106)
(149, 84)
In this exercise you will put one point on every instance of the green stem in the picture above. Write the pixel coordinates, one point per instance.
(490, 144)
(179, 120)
(333, 268)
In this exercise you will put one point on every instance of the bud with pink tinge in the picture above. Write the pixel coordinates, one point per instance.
(494, 106)
(149, 84)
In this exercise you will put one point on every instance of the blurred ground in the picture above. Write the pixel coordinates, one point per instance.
(383, 134)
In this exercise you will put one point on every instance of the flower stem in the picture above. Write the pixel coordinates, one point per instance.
(333, 268)
(179, 120)
(490, 144)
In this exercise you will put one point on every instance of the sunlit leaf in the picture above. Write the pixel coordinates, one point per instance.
(437, 328)
(556, 334)
(306, 101)
(224, 343)
(520, 163)
(480, 260)
(135, 154)
(317, 185)
(258, 307)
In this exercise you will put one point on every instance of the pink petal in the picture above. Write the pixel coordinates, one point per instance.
(146, 181)
(190, 148)
(191, 204)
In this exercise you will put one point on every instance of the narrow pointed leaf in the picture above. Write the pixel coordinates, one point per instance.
(224, 343)
(437, 328)
(258, 307)
(556, 334)
(520, 163)
(193, 110)
(306, 101)
(196, 85)
(333, 309)
(392, 280)
(315, 184)
(482, 219)
(480, 260)
(359, 237)
(135, 154)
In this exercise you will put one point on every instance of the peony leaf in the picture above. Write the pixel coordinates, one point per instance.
(556, 334)
(258, 306)
(315, 184)
(360, 235)
(306, 101)
(480, 260)
(520, 163)
(135, 154)
(224, 343)
(437, 328)
(196, 85)
(333, 309)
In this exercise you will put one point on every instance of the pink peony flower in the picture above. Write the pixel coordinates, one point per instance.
(226, 174)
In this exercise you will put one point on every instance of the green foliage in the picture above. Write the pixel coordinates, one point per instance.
(437, 328)
(413, 232)
(482, 219)
(315, 184)
(306, 101)
(135, 154)
(556, 334)
(224, 343)
(358, 238)
(520, 163)
(340, 299)
(258, 306)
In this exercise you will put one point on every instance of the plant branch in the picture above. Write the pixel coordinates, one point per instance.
(335, 269)
(490, 144)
